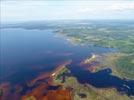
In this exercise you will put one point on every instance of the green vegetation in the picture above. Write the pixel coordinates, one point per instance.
(60, 74)
(112, 35)
(125, 65)
(120, 38)
(87, 92)
(122, 65)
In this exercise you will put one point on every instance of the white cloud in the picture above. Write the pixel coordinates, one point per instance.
(83, 10)
(123, 6)
(42, 10)
(107, 7)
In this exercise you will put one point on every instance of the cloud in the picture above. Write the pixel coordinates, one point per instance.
(122, 6)
(49, 10)
(111, 6)
(84, 10)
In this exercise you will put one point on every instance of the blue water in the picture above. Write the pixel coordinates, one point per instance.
(27, 53)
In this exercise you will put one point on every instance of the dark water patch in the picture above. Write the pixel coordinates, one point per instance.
(27, 88)
(103, 79)
(53, 87)
(82, 95)
(22, 50)
(27, 53)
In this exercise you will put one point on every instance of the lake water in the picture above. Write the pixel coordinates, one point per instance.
(27, 53)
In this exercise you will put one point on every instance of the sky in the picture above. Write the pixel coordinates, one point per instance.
(33, 10)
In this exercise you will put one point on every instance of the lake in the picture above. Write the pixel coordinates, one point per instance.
(27, 53)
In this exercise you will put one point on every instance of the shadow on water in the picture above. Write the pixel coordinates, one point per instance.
(103, 79)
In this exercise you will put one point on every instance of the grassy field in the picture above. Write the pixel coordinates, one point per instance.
(87, 92)
(117, 36)
(125, 65)
(111, 37)
(122, 65)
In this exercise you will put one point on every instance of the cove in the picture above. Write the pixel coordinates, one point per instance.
(27, 53)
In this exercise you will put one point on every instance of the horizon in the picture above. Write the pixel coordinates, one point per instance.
(67, 20)
(23, 11)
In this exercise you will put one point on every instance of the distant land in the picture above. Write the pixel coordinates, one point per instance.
(70, 60)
